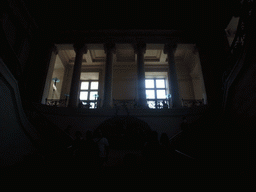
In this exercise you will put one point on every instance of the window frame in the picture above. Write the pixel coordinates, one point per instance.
(89, 90)
(156, 100)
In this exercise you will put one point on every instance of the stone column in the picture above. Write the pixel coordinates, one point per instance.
(140, 49)
(49, 74)
(109, 50)
(80, 49)
(169, 49)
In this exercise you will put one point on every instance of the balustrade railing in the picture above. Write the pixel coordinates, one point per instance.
(89, 104)
(244, 25)
(159, 103)
(192, 102)
(56, 102)
(244, 29)
(132, 104)
(125, 104)
(156, 103)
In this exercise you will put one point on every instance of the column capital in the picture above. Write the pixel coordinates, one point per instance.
(195, 50)
(55, 50)
(110, 46)
(80, 47)
(139, 47)
(170, 47)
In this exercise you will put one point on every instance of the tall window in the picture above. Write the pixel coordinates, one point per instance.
(89, 93)
(156, 92)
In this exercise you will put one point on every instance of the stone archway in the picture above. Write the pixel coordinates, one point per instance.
(125, 132)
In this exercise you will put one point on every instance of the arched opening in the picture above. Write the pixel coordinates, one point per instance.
(125, 132)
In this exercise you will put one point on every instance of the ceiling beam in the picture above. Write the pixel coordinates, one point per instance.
(88, 57)
(63, 59)
(163, 57)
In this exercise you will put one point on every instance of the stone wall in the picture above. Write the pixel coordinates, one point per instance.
(124, 80)
(83, 119)
(18, 136)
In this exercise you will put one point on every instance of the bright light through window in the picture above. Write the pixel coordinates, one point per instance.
(155, 92)
(89, 93)
(92, 95)
(84, 95)
(151, 104)
(149, 83)
(150, 94)
(160, 83)
(160, 94)
(85, 85)
(94, 85)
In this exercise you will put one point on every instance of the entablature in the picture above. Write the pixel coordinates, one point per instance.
(124, 36)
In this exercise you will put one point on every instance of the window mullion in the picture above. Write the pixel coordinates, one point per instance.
(89, 90)
(155, 93)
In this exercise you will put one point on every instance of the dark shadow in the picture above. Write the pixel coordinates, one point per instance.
(125, 133)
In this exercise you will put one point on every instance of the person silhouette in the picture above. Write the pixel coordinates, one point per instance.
(151, 154)
(103, 146)
(77, 142)
(184, 125)
(89, 154)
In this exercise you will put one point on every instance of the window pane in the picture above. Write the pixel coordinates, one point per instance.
(160, 94)
(92, 105)
(87, 103)
(150, 94)
(83, 95)
(159, 104)
(85, 85)
(94, 85)
(92, 95)
(151, 104)
(149, 83)
(160, 83)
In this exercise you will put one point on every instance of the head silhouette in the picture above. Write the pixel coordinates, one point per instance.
(164, 139)
(78, 135)
(153, 137)
(88, 135)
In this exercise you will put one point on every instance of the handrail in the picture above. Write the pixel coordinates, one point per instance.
(185, 154)
(241, 41)
(240, 36)
(175, 135)
(236, 36)
(45, 125)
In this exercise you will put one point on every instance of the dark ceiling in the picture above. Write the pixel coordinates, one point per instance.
(85, 15)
